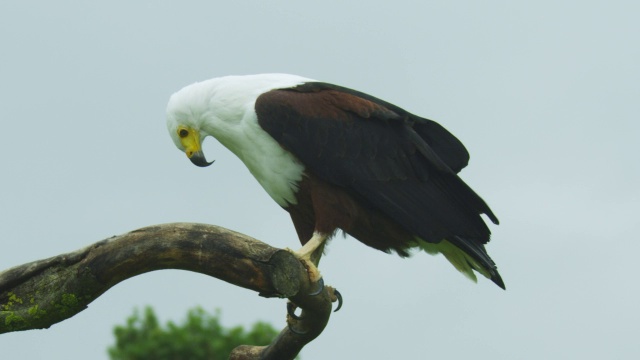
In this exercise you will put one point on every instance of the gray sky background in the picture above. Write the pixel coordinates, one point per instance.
(545, 96)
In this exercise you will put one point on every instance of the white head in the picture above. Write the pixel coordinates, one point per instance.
(217, 107)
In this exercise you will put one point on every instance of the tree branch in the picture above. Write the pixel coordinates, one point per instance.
(39, 294)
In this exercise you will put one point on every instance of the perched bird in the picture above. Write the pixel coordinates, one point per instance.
(336, 158)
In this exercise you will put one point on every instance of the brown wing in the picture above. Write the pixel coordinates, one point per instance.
(403, 165)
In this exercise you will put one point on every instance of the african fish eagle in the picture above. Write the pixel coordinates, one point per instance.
(336, 158)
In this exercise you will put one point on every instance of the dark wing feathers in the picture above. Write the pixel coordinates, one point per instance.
(447, 146)
(434, 139)
(399, 163)
(427, 151)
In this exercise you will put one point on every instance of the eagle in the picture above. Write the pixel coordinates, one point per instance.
(339, 159)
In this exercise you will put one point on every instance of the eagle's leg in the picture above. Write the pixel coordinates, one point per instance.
(310, 253)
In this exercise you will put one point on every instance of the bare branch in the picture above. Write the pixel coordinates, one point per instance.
(39, 294)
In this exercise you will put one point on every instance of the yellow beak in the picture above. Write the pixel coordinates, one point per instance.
(190, 140)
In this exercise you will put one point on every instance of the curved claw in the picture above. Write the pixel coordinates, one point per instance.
(339, 296)
(297, 332)
(320, 288)
(291, 310)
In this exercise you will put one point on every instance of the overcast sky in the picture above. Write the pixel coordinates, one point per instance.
(546, 97)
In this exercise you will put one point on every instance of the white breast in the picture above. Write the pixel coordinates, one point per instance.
(276, 169)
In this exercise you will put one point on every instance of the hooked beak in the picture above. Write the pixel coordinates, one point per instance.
(198, 159)
(190, 140)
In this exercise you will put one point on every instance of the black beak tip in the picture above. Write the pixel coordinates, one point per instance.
(198, 159)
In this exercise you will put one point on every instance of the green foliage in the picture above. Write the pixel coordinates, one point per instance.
(200, 336)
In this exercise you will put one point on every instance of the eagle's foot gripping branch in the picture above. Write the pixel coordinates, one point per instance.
(312, 270)
(293, 319)
(334, 295)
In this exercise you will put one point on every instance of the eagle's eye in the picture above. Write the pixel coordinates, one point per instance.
(183, 133)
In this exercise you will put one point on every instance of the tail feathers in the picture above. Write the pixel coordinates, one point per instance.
(465, 262)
